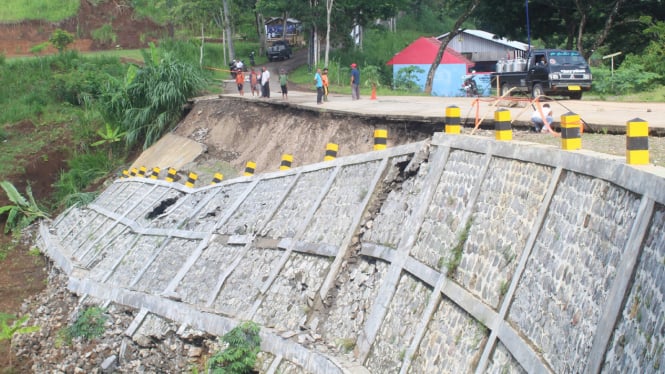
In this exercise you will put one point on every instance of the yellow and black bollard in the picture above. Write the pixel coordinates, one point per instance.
(570, 132)
(250, 167)
(142, 171)
(191, 179)
(217, 178)
(331, 152)
(125, 174)
(380, 139)
(453, 122)
(155, 172)
(502, 127)
(287, 160)
(133, 172)
(637, 142)
(170, 175)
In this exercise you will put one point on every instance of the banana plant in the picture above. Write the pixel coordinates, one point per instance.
(109, 135)
(23, 212)
(8, 331)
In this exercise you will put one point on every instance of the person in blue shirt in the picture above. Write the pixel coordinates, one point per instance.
(355, 82)
(319, 86)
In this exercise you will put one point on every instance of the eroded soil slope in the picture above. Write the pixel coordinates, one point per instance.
(237, 131)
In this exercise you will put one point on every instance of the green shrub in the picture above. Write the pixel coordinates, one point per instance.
(88, 325)
(37, 49)
(630, 77)
(104, 34)
(61, 39)
(244, 344)
(84, 170)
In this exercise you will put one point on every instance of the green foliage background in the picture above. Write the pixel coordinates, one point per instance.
(49, 10)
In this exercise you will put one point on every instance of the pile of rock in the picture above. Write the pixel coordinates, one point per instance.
(156, 346)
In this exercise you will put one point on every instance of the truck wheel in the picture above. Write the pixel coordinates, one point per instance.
(576, 96)
(504, 88)
(537, 90)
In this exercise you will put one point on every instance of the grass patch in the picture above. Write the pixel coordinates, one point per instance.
(458, 249)
(656, 95)
(48, 10)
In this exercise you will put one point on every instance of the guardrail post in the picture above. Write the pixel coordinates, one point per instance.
(637, 142)
(217, 178)
(570, 132)
(287, 160)
(155, 172)
(170, 176)
(250, 167)
(191, 179)
(502, 127)
(453, 123)
(380, 139)
(331, 152)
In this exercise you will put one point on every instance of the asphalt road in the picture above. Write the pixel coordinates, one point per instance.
(598, 116)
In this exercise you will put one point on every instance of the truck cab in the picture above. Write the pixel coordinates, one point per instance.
(552, 72)
(280, 49)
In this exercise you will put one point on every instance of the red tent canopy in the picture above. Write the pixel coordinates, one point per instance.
(423, 51)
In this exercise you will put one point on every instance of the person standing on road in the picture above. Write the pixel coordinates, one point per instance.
(240, 81)
(253, 81)
(355, 82)
(283, 78)
(265, 83)
(537, 118)
(324, 78)
(319, 86)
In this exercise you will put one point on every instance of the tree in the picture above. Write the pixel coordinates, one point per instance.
(586, 10)
(471, 6)
(61, 39)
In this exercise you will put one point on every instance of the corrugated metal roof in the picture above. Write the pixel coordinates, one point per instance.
(492, 37)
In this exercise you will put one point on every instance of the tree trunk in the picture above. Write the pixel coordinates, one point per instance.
(285, 17)
(444, 43)
(203, 38)
(227, 30)
(329, 5)
(609, 22)
(261, 33)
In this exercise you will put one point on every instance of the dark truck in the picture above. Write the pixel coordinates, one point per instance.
(279, 50)
(551, 72)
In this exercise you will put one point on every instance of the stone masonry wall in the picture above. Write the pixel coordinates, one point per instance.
(459, 254)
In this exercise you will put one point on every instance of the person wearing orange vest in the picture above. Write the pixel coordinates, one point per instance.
(324, 78)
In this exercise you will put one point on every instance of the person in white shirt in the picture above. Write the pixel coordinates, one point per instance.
(265, 83)
(537, 118)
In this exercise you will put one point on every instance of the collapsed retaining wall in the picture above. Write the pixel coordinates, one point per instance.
(456, 255)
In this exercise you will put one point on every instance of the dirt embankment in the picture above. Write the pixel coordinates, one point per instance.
(131, 32)
(236, 131)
